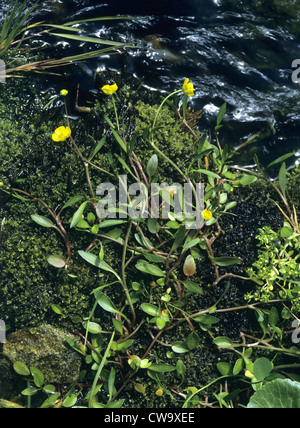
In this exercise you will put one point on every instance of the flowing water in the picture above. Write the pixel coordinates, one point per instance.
(234, 51)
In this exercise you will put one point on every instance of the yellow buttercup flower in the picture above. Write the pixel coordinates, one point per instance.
(110, 89)
(64, 92)
(159, 392)
(207, 214)
(61, 134)
(188, 88)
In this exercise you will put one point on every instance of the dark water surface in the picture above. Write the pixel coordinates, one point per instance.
(238, 52)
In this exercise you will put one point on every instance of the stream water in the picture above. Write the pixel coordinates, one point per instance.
(234, 51)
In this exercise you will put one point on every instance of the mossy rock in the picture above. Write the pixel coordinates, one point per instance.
(45, 348)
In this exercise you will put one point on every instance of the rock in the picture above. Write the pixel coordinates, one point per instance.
(45, 347)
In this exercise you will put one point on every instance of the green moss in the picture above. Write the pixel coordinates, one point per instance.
(171, 138)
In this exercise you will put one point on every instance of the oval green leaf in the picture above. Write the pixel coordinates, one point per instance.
(223, 342)
(180, 347)
(150, 309)
(42, 221)
(78, 214)
(262, 368)
(149, 269)
(57, 261)
(21, 368)
(162, 368)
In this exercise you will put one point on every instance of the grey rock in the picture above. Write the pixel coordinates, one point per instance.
(45, 347)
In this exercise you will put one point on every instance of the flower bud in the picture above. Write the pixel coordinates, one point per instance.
(152, 166)
(189, 267)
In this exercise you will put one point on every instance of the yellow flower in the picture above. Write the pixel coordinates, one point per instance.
(171, 191)
(188, 88)
(165, 313)
(64, 92)
(110, 89)
(159, 392)
(61, 134)
(249, 374)
(207, 214)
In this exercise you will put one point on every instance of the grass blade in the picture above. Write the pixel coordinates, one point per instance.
(89, 39)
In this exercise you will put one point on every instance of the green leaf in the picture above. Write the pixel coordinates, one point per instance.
(280, 159)
(57, 309)
(286, 232)
(150, 309)
(31, 390)
(160, 322)
(149, 269)
(262, 368)
(277, 394)
(225, 261)
(192, 287)
(153, 225)
(180, 368)
(282, 178)
(224, 368)
(50, 401)
(78, 214)
(21, 368)
(116, 135)
(223, 342)
(42, 221)
(104, 301)
(238, 367)
(192, 340)
(247, 179)
(180, 347)
(152, 166)
(49, 389)
(162, 368)
(208, 173)
(74, 345)
(140, 388)
(110, 223)
(70, 401)
(88, 39)
(97, 262)
(206, 321)
(178, 238)
(111, 382)
(72, 201)
(273, 316)
(117, 325)
(191, 243)
(221, 113)
(57, 261)
(98, 147)
(92, 327)
(38, 376)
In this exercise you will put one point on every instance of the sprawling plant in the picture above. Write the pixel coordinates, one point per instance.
(148, 289)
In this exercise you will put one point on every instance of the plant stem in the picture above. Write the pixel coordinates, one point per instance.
(160, 107)
(116, 113)
(124, 284)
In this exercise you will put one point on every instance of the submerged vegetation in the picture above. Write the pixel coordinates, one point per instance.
(163, 310)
